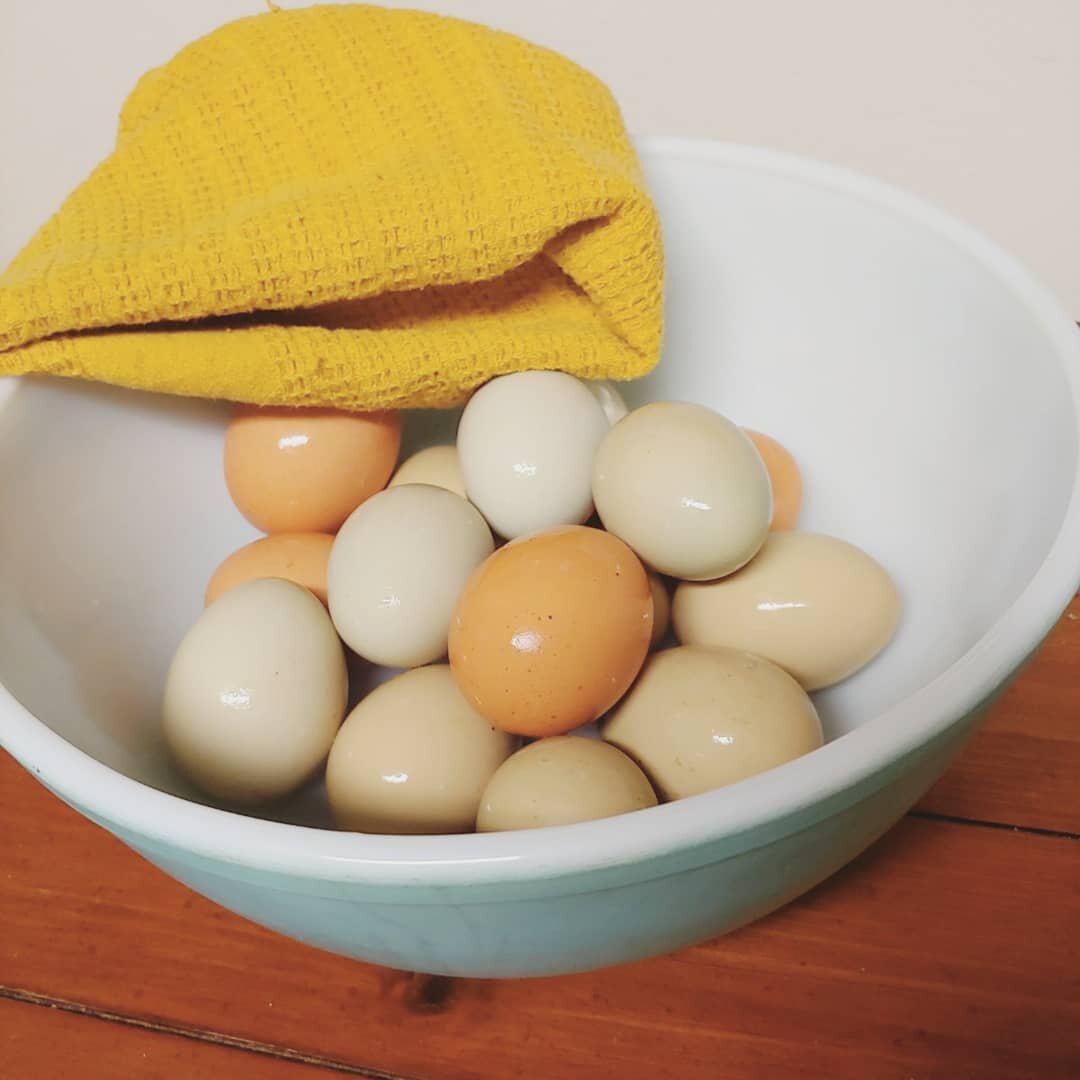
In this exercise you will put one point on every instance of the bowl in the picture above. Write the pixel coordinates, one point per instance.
(929, 387)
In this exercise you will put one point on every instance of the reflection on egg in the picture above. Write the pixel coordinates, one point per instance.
(298, 557)
(684, 488)
(551, 630)
(413, 757)
(255, 693)
(306, 470)
(699, 719)
(819, 607)
(784, 477)
(559, 781)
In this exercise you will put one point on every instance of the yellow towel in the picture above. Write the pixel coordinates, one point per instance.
(348, 206)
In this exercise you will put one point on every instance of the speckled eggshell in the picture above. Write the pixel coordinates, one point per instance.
(819, 607)
(255, 693)
(413, 757)
(526, 443)
(396, 569)
(685, 488)
(551, 630)
(699, 719)
(439, 466)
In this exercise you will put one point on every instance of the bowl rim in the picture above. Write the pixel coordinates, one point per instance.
(143, 813)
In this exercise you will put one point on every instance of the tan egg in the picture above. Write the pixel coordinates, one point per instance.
(413, 757)
(298, 557)
(661, 601)
(549, 633)
(685, 488)
(784, 477)
(560, 781)
(699, 719)
(397, 568)
(306, 470)
(435, 465)
(255, 693)
(819, 607)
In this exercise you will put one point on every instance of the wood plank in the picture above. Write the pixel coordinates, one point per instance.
(42, 1043)
(947, 951)
(1023, 765)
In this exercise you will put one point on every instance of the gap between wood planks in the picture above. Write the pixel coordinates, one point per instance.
(981, 823)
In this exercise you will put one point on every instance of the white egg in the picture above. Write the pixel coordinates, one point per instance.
(413, 757)
(611, 401)
(526, 444)
(396, 569)
(685, 488)
(255, 693)
(435, 465)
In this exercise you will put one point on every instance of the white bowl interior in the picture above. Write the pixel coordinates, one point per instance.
(928, 409)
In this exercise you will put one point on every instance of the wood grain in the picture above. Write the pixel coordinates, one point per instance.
(1023, 766)
(42, 1043)
(947, 951)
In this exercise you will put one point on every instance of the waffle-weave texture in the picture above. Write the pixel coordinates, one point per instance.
(348, 206)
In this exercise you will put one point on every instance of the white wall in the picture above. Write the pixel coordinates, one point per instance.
(974, 104)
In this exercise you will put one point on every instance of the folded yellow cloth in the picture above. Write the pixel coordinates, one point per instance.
(348, 206)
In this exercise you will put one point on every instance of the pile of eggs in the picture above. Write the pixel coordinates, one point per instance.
(512, 626)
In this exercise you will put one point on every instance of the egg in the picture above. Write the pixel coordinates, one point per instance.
(685, 488)
(306, 470)
(559, 781)
(549, 633)
(819, 607)
(298, 557)
(699, 719)
(611, 401)
(526, 443)
(396, 569)
(255, 692)
(435, 465)
(784, 477)
(661, 600)
(413, 757)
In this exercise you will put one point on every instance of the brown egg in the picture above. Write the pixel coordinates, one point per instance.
(784, 477)
(551, 630)
(306, 470)
(298, 557)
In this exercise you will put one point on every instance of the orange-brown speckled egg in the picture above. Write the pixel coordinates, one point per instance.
(783, 476)
(307, 470)
(551, 630)
(298, 557)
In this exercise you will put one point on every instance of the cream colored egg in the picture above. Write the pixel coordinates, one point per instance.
(413, 757)
(611, 401)
(396, 569)
(661, 600)
(559, 781)
(819, 607)
(435, 465)
(699, 719)
(526, 443)
(255, 693)
(685, 488)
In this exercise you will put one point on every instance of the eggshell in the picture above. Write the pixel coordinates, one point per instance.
(560, 781)
(413, 757)
(306, 470)
(396, 570)
(298, 557)
(784, 477)
(661, 600)
(255, 693)
(551, 630)
(819, 607)
(526, 443)
(611, 401)
(439, 466)
(699, 719)
(685, 488)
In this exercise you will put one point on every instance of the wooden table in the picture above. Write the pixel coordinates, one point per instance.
(951, 950)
